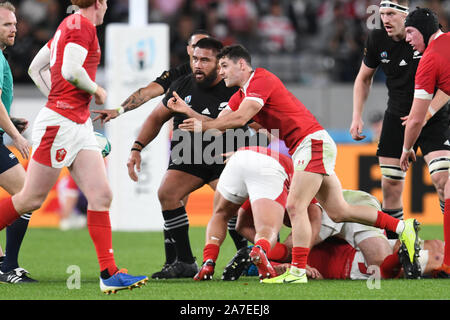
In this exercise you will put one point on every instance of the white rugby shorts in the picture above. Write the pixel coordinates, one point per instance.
(253, 175)
(57, 139)
(316, 153)
(353, 233)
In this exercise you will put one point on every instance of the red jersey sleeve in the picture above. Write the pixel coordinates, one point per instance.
(235, 101)
(259, 89)
(426, 75)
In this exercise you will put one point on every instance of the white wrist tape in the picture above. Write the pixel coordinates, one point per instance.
(431, 110)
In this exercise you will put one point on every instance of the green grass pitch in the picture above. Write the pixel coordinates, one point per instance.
(53, 257)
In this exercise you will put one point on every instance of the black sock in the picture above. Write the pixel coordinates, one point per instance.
(239, 241)
(14, 236)
(104, 274)
(170, 249)
(396, 213)
(176, 222)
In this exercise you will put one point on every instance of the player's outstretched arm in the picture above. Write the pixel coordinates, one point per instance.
(39, 70)
(239, 118)
(361, 90)
(134, 101)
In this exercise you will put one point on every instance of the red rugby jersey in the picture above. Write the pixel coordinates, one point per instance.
(281, 109)
(434, 67)
(64, 98)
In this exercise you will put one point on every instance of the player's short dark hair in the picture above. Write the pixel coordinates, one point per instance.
(209, 43)
(198, 31)
(235, 52)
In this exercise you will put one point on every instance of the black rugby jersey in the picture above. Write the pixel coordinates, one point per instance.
(399, 62)
(169, 76)
(206, 101)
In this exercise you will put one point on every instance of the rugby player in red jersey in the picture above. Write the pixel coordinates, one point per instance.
(63, 135)
(423, 33)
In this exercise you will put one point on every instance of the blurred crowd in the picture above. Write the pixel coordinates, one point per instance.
(303, 41)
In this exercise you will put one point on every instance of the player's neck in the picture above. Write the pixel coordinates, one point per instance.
(89, 13)
(246, 77)
(399, 37)
(434, 36)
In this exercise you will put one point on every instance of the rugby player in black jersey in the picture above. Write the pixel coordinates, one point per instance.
(387, 48)
(155, 88)
(191, 166)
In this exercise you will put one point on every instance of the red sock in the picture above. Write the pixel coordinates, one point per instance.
(446, 232)
(211, 251)
(299, 257)
(385, 221)
(8, 213)
(391, 266)
(99, 227)
(264, 244)
(279, 252)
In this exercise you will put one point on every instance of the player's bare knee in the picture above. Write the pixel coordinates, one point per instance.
(100, 199)
(33, 204)
(439, 180)
(168, 198)
(392, 189)
(294, 210)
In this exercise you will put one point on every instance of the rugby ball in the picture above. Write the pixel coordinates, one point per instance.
(103, 143)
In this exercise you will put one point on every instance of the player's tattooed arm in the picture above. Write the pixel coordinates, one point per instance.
(134, 101)
(142, 95)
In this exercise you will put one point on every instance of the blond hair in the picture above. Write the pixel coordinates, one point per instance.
(8, 6)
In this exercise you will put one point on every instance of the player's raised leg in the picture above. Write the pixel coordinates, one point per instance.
(331, 198)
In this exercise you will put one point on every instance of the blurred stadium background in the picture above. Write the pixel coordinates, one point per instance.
(314, 46)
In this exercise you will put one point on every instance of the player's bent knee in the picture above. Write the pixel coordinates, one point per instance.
(168, 198)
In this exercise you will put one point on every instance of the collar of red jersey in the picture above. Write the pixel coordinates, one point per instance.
(440, 33)
(244, 88)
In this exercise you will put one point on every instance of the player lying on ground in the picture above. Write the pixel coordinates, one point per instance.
(339, 246)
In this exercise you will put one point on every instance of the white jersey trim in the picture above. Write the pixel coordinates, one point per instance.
(423, 94)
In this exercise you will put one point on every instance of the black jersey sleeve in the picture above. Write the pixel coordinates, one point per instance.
(177, 85)
(371, 58)
(166, 79)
